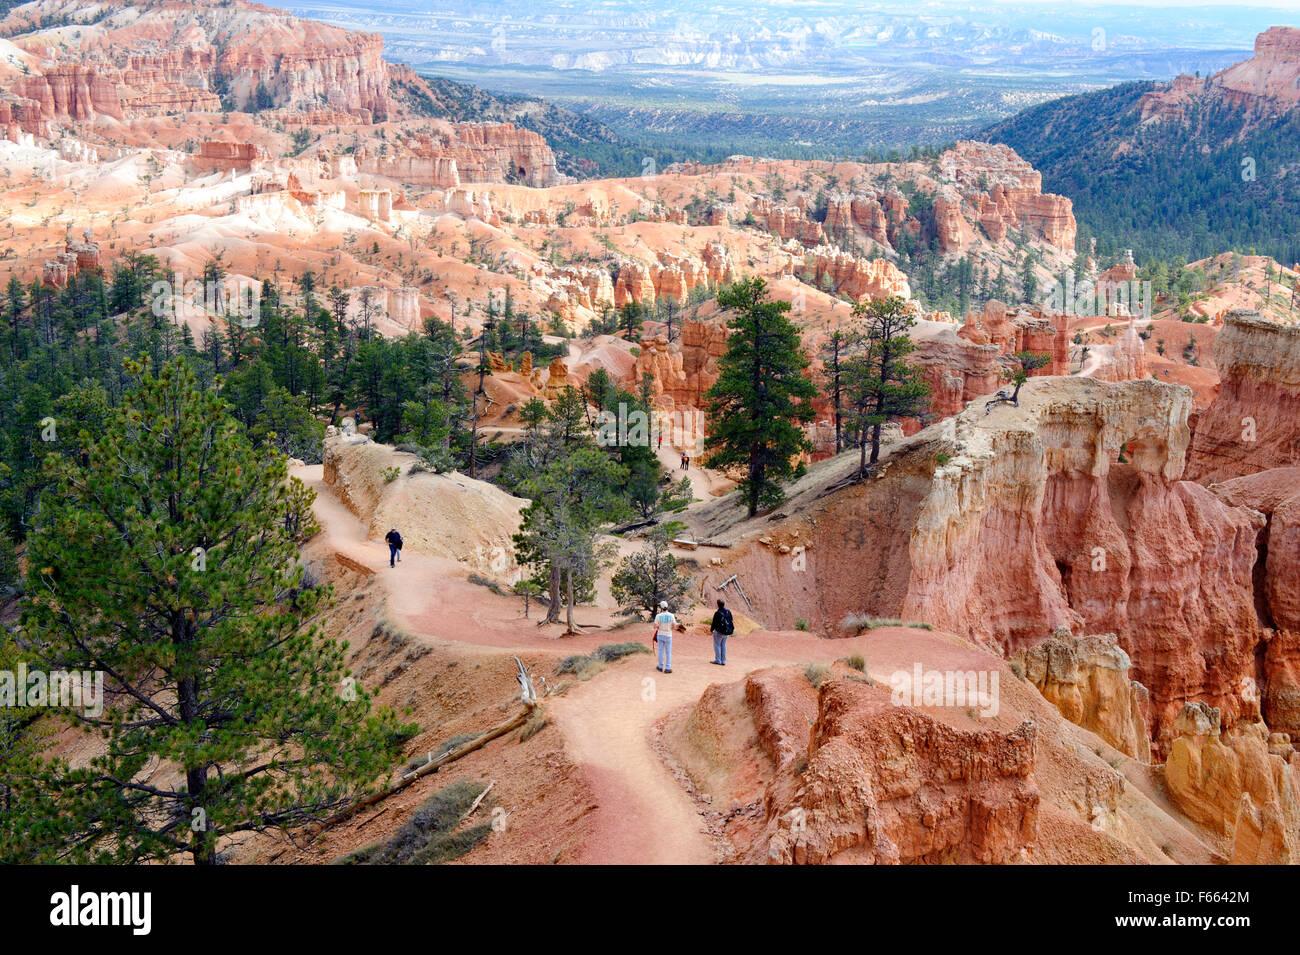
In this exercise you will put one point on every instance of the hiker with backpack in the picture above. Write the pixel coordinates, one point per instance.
(722, 626)
(664, 623)
(394, 541)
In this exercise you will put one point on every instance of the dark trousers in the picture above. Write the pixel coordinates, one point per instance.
(392, 555)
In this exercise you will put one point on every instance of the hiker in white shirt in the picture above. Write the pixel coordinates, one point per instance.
(664, 623)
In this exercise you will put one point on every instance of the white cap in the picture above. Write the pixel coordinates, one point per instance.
(663, 605)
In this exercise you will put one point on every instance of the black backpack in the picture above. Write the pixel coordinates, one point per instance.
(728, 625)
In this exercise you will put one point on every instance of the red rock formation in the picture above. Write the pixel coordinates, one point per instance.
(955, 233)
(1066, 511)
(1087, 680)
(75, 259)
(1231, 784)
(1028, 329)
(888, 784)
(1276, 495)
(683, 371)
(1014, 198)
(957, 372)
(1254, 422)
(466, 152)
(672, 276)
(787, 221)
(71, 91)
(225, 155)
(826, 267)
(846, 213)
(1268, 82)
(172, 57)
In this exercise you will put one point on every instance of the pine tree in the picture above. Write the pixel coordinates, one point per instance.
(168, 562)
(762, 396)
(879, 383)
(577, 492)
(645, 578)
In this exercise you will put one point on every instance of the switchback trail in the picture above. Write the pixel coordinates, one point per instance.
(643, 815)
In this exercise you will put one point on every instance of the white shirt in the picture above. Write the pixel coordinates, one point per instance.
(665, 622)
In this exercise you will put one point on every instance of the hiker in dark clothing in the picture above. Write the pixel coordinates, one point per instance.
(394, 541)
(722, 626)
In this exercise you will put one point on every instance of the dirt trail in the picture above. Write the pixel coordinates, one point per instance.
(643, 815)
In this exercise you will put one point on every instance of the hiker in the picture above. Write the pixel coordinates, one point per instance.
(722, 626)
(394, 540)
(683, 467)
(664, 622)
(686, 463)
(661, 442)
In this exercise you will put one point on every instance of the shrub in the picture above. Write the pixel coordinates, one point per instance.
(817, 673)
(617, 651)
(359, 856)
(488, 582)
(801, 624)
(430, 835)
(857, 622)
(535, 723)
(857, 662)
(390, 474)
(584, 667)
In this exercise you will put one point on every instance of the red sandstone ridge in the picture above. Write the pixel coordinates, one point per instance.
(157, 57)
(167, 57)
(465, 152)
(889, 785)
(1276, 495)
(1254, 423)
(1067, 511)
(998, 190)
(1267, 82)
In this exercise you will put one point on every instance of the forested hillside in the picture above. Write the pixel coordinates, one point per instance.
(1215, 178)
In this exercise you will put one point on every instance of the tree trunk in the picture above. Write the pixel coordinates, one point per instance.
(553, 611)
(202, 848)
(875, 443)
(568, 599)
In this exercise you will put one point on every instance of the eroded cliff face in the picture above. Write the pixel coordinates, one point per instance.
(153, 58)
(1067, 511)
(1276, 495)
(1087, 680)
(1268, 82)
(1241, 784)
(888, 785)
(1254, 422)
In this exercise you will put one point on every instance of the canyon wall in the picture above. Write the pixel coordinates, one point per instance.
(888, 785)
(1254, 422)
(1067, 511)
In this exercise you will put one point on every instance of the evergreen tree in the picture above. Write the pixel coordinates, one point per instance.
(644, 579)
(165, 561)
(762, 396)
(879, 383)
